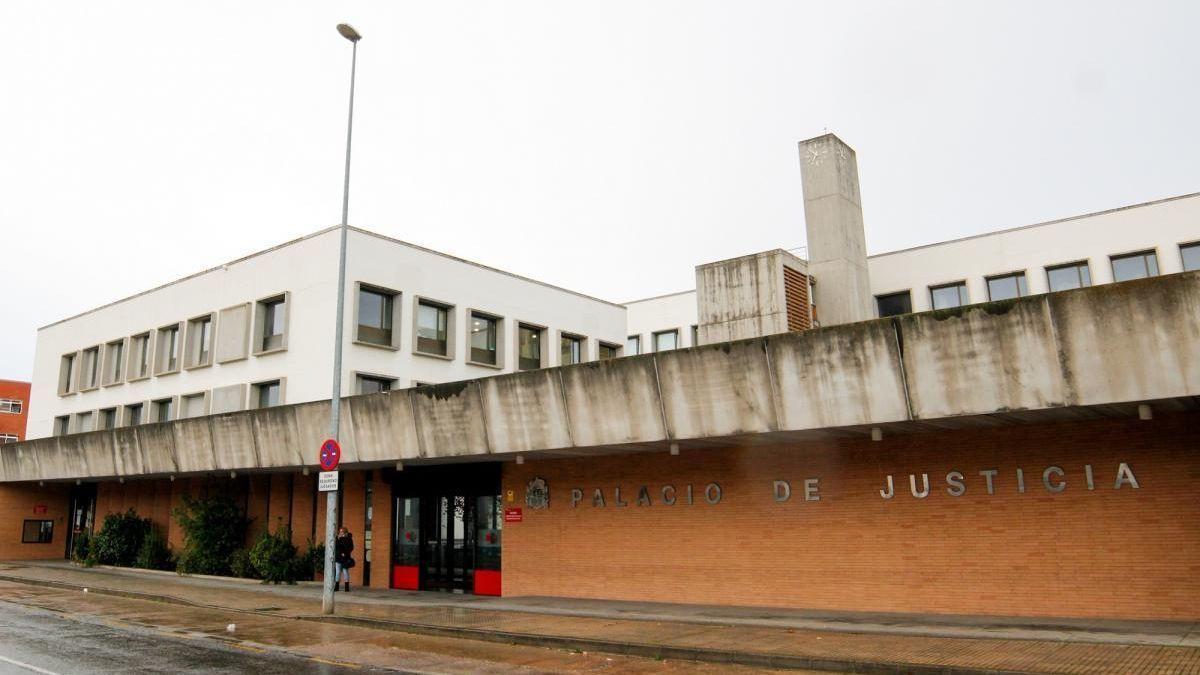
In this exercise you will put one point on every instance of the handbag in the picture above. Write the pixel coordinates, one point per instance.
(349, 563)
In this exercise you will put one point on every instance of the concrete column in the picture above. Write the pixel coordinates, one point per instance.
(837, 248)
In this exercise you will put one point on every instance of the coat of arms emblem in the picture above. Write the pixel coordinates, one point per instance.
(537, 494)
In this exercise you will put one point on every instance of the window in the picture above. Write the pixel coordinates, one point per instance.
(139, 361)
(695, 335)
(200, 341)
(1007, 286)
(1191, 256)
(1071, 275)
(572, 350)
(529, 346)
(62, 425)
(8, 438)
(66, 375)
(894, 304)
(432, 328)
(666, 340)
(164, 409)
(268, 394)
(483, 338)
(89, 372)
(37, 532)
(371, 384)
(83, 422)
(134, 415)
(375, 314)
(608, 351)
(193, 405)
(167, 350)
(633, 345)
(271, 324)
(950, 295)
(108, 418)
(11, 405)
(114, 362)
(1135, 266)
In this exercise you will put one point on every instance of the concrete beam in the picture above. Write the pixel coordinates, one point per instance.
(1107, 348)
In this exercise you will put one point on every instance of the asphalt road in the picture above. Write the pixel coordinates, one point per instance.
(38, 641)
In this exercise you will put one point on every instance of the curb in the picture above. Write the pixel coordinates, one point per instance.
(644, 650)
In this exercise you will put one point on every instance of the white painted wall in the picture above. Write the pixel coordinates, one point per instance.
(307, 268)
(1161, 225)
(666, 312)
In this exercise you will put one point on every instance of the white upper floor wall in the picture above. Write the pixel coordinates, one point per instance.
(1164, 227)
(304, 272)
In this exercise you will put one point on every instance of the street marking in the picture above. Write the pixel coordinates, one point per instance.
(27, 666)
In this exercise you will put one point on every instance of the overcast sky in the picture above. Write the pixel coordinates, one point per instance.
(607, 147)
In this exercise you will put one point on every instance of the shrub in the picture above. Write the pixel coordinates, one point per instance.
(240, 565)
(154, 553)
(313, 561)
(213, 527)
(79, 547)
(119, 539)
(275, 557)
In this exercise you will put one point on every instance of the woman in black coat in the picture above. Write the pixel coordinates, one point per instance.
(343, 561)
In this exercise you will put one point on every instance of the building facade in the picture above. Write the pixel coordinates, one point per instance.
(14, 410)
(1027, 455)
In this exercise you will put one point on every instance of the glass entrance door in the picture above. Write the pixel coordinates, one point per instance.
(448, 560)
(82, 510)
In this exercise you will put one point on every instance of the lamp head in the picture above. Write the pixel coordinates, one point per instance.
(347, 31)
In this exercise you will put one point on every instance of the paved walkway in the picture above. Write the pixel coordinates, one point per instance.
(751, 636)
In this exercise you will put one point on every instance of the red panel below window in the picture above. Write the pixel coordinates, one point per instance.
(487, 582)
(406, 577)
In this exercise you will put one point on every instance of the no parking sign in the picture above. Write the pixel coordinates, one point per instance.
(331, 455)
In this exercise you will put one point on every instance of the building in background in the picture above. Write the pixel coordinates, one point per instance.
(14, 410)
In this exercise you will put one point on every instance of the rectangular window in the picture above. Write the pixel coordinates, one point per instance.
(608, 351)
(572, 350)
(483, 338)
(375, 313)
(90, 370)
(164, 410)
(62, 425)
(108, 418)
(1007, 286)
(193, 405)
(11, 405)
(66, 375)
(273, 313)
(200, 341)
(37, 532)
(370, 384)
(950, 295)
(8, 438)
(633, 345)
(134, 415)
(139, 356)
(114, 362)
(168, 350)
(268, 394)
(432, 328)
(83, 422)
(894, 304)
(1134, 266)
(666, 340)
(529, 347)
(1191, 256)
(1071, 275)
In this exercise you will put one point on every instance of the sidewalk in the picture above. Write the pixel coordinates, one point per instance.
(777, 638)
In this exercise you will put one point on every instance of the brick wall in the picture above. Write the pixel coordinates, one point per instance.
(14, 423)
(1127, 553)
(19, 503)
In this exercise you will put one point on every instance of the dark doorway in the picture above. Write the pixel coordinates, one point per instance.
(81, 509)
(446, 529)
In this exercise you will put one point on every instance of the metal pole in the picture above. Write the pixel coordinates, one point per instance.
(335, 403)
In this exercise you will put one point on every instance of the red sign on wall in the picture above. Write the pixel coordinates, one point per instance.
(39, 508)
(512, 514)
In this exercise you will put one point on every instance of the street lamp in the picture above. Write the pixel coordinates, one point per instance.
(335, 402)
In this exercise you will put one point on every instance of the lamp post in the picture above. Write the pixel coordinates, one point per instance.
(335, 403)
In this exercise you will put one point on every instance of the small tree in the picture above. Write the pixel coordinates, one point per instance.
(213, 527)
(275, 557)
